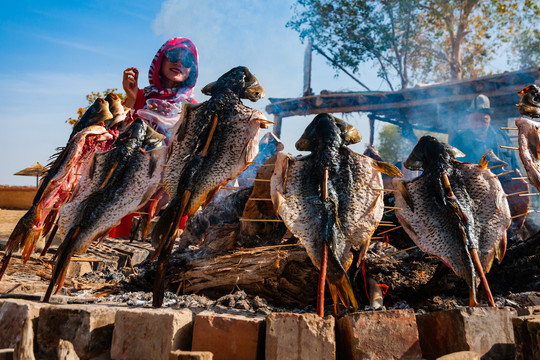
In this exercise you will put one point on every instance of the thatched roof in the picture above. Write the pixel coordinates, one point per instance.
(35, 170)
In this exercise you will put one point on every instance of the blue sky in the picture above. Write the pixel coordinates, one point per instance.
(56, 52)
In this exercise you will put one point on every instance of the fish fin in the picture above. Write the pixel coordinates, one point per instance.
(5, 262)
(62, 260)
(92, 167)
(401, 186)
(49, 240)
(386, 168)
(483, 161)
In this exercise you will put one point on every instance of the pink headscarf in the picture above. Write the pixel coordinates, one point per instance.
(155, 90)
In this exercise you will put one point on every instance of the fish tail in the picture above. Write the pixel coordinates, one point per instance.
(62, 260)
(344, 291)
(29, 245)
(167, 225)
(49, 240)
(49, 222)
(386, 168)
(5, 262)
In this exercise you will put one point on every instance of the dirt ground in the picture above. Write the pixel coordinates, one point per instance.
(8, 220)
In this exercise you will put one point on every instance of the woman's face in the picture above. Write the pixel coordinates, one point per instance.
(174, 72)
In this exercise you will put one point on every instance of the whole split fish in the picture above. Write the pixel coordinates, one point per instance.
(529, 149)
(119, 182)
(456, 211)
(331, 200)
(67, 169)
(213, 143)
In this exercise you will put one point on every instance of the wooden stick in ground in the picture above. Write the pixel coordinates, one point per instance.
(324, 259)
(480, 270)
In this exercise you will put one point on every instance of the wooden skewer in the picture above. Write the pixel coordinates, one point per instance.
(377, 237)
(508, 128)
(260, 199)
(387, 231)
(261, 220)
(496, 166)
(387, 224)
(264, 180)
(389, 190)
(265, 164)
(166, 165)
(229, 188)
(392, 207)
(504, 173)
(509, 147)
(388, 211)
(520, 178)
(141, 213)
(518, 193)
(395, 253)
(535, 194)
(520, 215)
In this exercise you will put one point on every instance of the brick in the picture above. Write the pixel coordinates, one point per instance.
(487, 331)
(527, 337)
(461, 355)
(88, 327)
(379, 335)
(300, 336)
(229, 336)
(151, 333)
(190, 355)
(13, 314)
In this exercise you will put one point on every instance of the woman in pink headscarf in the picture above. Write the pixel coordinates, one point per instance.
(172, 77)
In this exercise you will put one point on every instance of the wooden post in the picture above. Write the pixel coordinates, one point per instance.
(307, 69)
(371, 129)
(277, 126)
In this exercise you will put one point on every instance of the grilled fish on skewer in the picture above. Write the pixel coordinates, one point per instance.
(125, 177)
(352, 209)
(55, 190)
(456, 211)
(213, 143)
(529, 149)
(529, 104)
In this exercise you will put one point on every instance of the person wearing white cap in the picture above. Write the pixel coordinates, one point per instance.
(481, 136)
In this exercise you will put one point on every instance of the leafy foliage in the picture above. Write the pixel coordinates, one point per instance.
(414, 40)
(91, 98)
(391, 144)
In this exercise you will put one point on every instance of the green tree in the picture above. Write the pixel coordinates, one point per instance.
(415, 40)
(91, 98)
(391, 145)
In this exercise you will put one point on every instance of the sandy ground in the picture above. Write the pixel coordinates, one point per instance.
(8, 220)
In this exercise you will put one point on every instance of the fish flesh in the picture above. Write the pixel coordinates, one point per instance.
(213, 143)
(68, 167)
(352, 208)
(454, 210)
(529, 103)
(529, 149)
(119, 182)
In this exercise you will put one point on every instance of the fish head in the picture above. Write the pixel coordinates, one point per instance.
(152, 138)
(115, 104)
(136, 132)
(99, 112)
(326, 129)
(239, 80)
(430, 152)
(529, 103)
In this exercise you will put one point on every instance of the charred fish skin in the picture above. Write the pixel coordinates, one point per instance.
(97, 113)
(451, 220)
(529, 149)
(124, 189)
